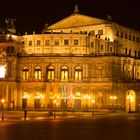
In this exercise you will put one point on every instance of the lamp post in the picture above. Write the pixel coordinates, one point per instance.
(93, 103)
(55, 99)
(2, 109)
(54, 108)
(113, 98)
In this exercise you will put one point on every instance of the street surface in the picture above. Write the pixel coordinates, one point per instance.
(114, 126)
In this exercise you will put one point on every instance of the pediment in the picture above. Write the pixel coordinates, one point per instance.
(76, 20)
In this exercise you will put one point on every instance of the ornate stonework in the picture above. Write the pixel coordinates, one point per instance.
(74, 63)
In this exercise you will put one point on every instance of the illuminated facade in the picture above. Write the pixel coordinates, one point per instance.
(75, 63)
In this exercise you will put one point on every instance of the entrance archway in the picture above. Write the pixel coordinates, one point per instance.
(130, 101)
(25, 97)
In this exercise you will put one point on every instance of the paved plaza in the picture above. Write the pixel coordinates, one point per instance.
(113, 126)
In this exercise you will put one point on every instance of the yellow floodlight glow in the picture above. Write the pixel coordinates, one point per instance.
(93, 101)
(113, 97)
(2, 101)
(2, 71)
(86, 97)
(40, 96)
(130, 98)
(26, 96)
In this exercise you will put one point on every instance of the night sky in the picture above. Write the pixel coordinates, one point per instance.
(32, 15)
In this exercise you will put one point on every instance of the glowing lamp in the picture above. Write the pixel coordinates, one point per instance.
(2, 101)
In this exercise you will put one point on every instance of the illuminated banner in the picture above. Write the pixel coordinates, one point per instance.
(70, 96)
(64, 91)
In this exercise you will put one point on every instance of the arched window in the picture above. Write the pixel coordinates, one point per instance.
(125, 51)
(135, 53)
(138, 54)
(64, 73)
(37, 73)
(10, 50)
(78, 73)
(130, 52)
(25, 73)
(50, 73)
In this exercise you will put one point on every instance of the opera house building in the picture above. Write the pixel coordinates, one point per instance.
(78, 63)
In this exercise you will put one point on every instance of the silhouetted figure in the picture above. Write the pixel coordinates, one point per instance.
(25, 114)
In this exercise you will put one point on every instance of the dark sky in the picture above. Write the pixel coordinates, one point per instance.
(32, 15)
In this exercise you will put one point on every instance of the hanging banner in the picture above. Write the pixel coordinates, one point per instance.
(64, 91)
(70, 94)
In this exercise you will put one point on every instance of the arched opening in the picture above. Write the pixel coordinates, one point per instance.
(38, 100)
(77, 100)
(130, 101)
(99, 100)
(25, 97)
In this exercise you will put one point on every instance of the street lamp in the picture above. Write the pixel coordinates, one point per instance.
(54, 108)
(113, 98)
(55, 98)
(93, 103)
(2, 109)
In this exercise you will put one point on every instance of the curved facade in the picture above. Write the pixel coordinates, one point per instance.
(72, 65)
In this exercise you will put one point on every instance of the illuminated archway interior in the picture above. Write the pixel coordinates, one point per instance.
(130, 101)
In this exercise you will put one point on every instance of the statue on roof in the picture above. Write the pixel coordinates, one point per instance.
(8, 27)
(76, 10)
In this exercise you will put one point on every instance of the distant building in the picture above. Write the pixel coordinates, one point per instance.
(76, 63)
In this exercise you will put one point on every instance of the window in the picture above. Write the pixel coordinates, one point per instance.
(129, 37)
(121, 34)
(56, 42)
(100, 71)
(78, 73)
(139, 54)
(75, 42)
(38, 43)
(125, 35)
(102, 47)
(25, 73)
(92, 33)
(100, 32)
(91, 44)
(111, 49)
(50, 73)
(66, 42)
(133, 38)
(47, 42)
(130, 52)
(30, 43)
(10, 50)
(64, 73)
(125, 51)
(117, 33)
(135, 53)
(137, 39)
(37, 73)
